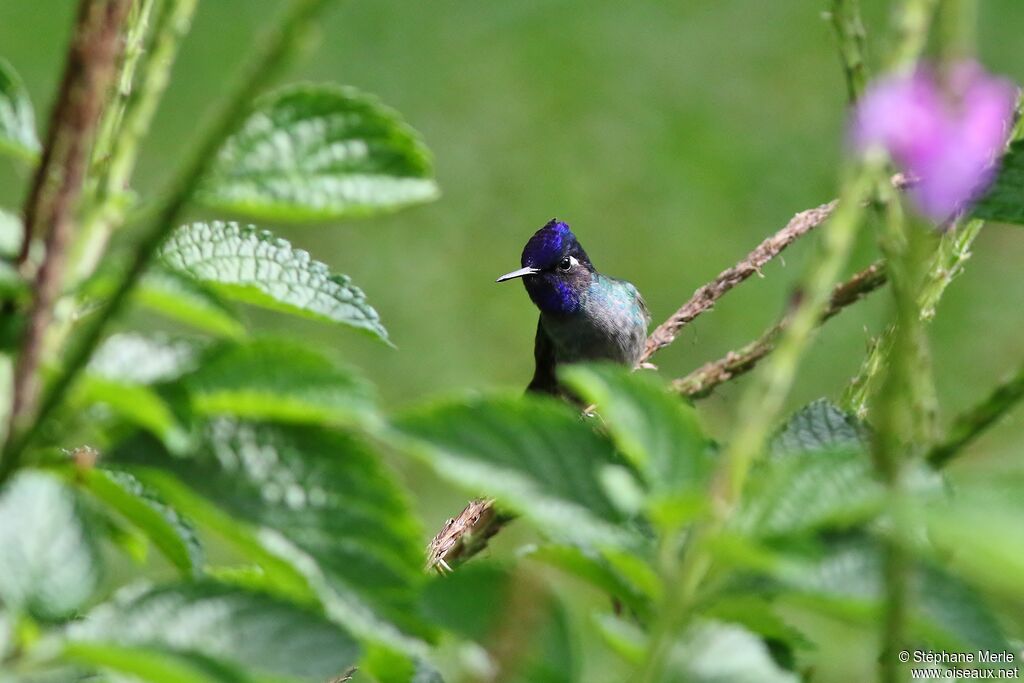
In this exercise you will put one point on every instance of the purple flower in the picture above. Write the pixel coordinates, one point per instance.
(948, 134)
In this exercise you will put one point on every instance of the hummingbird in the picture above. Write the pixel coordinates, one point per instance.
(584, 315)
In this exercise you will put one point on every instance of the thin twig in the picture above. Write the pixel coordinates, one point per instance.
(971, 424)
(705, 297)
(276, 52)
(464, 536)
(58, 181)
(850, 32)
(702, 381)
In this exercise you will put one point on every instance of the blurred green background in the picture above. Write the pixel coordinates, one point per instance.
(672, 137)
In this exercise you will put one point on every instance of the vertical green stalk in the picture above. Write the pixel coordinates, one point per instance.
(130, 123)
(956, 28)
(278, 51)
(850, 33)
(911, 26)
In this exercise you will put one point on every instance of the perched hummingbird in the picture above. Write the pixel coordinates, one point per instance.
(584, 315)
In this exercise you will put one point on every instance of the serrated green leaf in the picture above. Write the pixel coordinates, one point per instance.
(319, 501)
(276, 380)
(267, 638)
(49, 566)
(809, 491)
(252, 266)
(1004, 201)
(17, 120)
(319, 152)
(716, 652)
(659, 433)
(820, 426)
(469, 601)
(533, 455)
(188, 301)
(143, 508)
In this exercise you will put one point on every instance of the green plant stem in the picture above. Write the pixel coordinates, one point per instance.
(971, 424)
(129, 124)
(278, 50)
(759, 409)
(850, 33)
(912, 23)
(957, 27)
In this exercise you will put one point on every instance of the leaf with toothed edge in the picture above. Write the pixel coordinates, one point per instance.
(319, 152)
(252, 266)
(17, 121)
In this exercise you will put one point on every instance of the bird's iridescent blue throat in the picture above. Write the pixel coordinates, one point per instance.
(584, 315)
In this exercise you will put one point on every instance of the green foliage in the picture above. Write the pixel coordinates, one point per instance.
(1004, 201)
(533, 455)
(188, 301)
(17, 120)
(251, 266)
(320, 502)
(49, 566)
(224, 626)
(275, 380)
(319, 152)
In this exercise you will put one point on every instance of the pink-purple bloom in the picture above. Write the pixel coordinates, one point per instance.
(947, 133)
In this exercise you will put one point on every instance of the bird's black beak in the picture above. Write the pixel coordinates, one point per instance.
(522, 272)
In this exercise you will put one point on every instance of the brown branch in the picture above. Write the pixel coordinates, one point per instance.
(705, 297)
(53, 197)
(702, 381)
(464, 536)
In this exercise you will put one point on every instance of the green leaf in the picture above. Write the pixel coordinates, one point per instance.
(594, 569)
(186, 300)
(469, 601)
(319, 152)
(804, 492)
(659, 433)
(142, 507)
(818, 427)
(11, 231)
(251, 632)
(49, 566)
(276, 380)
(131, 358)
(533, 455)
(154, 664)
(1004, 201)
(17, 121)
(715, 652)
(137, 404)
(318, 500)
(252, 266)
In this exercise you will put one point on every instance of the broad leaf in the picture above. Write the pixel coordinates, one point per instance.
(715, 652)
(1004, 201)
(17, 121)
(134, 403)
(319, 152)
(276, 380)
(658, 433)
(535, 456)
(594, 569)
(49, 566)
(809, 491)
(252, 632)
(132, 358)
(182, 298)
(820, 426)
(318, 500)
(150, 665)
(11, 234)
(252, 266)
(163, 526)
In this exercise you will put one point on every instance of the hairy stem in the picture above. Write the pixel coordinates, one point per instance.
(136, 106)
(278, 50)
(850, 33)
(53, 198)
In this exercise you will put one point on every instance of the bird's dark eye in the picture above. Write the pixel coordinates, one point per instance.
(566, 264)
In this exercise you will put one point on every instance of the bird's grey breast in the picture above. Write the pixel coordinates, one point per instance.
(611, 324)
